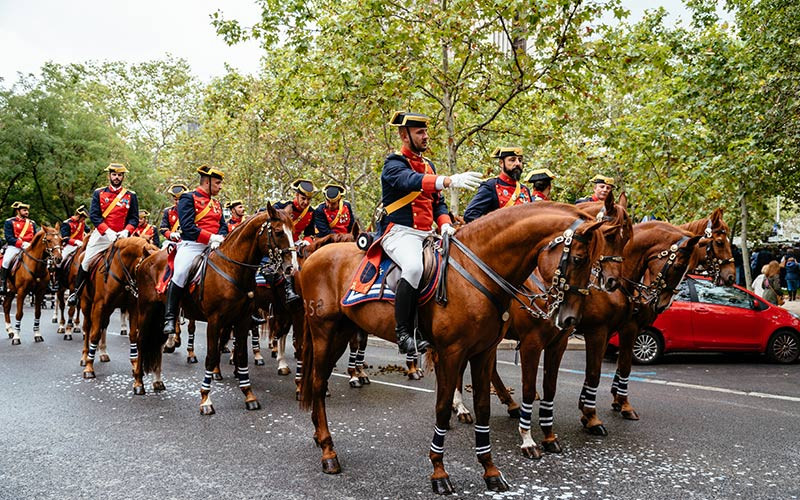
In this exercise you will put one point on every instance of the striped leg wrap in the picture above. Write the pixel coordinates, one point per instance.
(351, 361)
(256, 345)
(615, 383)
(92, 350)
(411, 358)
(360, 358)
(134, 350)
(36, 324)
(17, 325)
(190, 344)
(298, 372)
(588, 396)
(525, 416)
(243, 374)
(206, 381)
(622, 386)
(482, 444)
(437, 444)
(545, 413)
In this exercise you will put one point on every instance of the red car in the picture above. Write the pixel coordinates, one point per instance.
(709, 318)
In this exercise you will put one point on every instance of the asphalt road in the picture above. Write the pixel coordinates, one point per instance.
(713, 426)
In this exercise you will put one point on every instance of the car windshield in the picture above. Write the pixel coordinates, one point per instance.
(684, 294)
(722, 295)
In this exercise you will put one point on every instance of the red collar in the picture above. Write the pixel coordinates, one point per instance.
(505, 178)
(203, 192)
(410, 154)
(113, 189)
(21, 218)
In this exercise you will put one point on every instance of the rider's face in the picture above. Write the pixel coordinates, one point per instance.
(214, 186)
(301, 201)
(23, 212)
(417, 138)
(116, 178)
(512, 166)
(601, 190)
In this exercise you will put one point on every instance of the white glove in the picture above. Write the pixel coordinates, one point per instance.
(78, 243)
(175, 236)
(448, 229)
(123, 234)
(467, 180)
(301, 243)
(25, 245)
(111, 234)
(214, 240)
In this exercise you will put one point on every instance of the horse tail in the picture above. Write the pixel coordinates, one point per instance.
(151, 337)
(307, 382)
(431, 358)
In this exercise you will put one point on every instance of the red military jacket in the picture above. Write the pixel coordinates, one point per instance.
(169, 222)
(539, 196)
(147, 232)
(73, 230)
(506, 187)
(233, 222)
(201, 216)
(302, 220)
(18, 224)
(124, 215)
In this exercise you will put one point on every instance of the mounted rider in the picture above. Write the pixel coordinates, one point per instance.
(146, 230)
(202, 225)
(18, 232)
(504, 190)
(602, 187)
(542, 182)
(114, 212)
(170, 227)
(412, 201)
(335, 215)
(237, 214)
(302, 215)
(73, 232)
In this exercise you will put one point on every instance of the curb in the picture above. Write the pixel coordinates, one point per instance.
(574, 344)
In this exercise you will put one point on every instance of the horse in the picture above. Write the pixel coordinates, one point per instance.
(67, 271)
(223, 298)
(109, 288)
(32, 275)
(718, 258)
(464, 326)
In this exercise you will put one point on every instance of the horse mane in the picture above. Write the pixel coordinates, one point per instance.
(326, 240)
(696, 226)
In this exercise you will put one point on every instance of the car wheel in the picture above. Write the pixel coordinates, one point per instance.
(647, 347)
(783, 347)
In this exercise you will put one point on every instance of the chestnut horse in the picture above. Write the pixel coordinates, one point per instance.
(67, 272)
(505, 247)
(32, 274)
(113, 285)
(718, 258)
(223, 298)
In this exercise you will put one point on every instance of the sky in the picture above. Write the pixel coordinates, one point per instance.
(35, 31)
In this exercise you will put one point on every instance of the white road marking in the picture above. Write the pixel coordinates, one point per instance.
(709, 388)
(401, 386)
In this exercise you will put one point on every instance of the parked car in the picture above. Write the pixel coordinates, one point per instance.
(708, 318)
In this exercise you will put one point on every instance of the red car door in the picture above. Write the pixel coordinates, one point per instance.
(676, 322)
(723, 318)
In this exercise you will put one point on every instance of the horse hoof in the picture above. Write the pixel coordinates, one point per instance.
(76, 330)
(355, 384)
(105, 358)
(67, 337)
(532, 452)
(513, 413)
(597, 430)
(10, 335)
(169, 350)
(123, 332)
(38, 338)
(274, 355)
(252, 405)
(364, 380)
(630, 415)
(283, 371)
(207, 410)
(177, 342)
(413, 375)
(159, 386)
(260, 362)
(616, 406)
(61, 329)
(442, 486)
(191, 359)
(465, 418)
(331, 466)
(16, 341)
(496, 483)
(217, 376)
(88, 375)
(551, 446)
(138, 390)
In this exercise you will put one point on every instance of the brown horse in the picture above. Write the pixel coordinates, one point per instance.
(67, 272)
(112, 286)
(506, 246)
(718, 258)
(223, 298)
(32, 274)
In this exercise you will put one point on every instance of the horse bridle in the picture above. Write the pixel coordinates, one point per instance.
(597, 267)
(558, 285)
(130, 281)
(48, 260)
(711, 257)
(651, 292)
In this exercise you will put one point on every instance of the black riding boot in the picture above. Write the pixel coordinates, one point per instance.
(288, 287)
(405, 306)
(174, 294)
(3, 272)
(80, 281)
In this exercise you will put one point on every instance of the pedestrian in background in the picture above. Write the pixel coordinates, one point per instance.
(792, 274)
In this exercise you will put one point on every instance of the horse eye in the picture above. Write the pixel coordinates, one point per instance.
(577, 259)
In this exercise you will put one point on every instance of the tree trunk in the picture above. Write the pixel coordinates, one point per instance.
(748, 279)
(449, 122)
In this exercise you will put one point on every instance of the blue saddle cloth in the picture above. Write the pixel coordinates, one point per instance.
(379, 289)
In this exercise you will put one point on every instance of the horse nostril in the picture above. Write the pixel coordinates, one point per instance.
(611, 284)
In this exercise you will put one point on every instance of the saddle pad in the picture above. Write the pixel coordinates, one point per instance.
(368, 271)
(169, 269)
(379, 290)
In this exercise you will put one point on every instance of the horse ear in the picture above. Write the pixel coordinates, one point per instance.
(623, 200)
(609, 204)
(58, 226)
(593, 225)
(356, 229)
(693, 241)
(716, 216)
(271, 211)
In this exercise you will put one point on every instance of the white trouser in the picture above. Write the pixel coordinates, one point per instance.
(187, 251)
(67, 251)
(403, 245)
(97, 244)
(11, 252)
